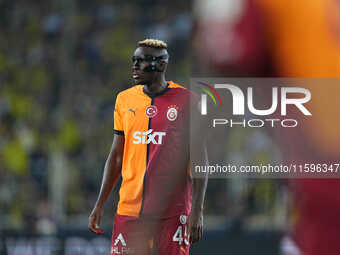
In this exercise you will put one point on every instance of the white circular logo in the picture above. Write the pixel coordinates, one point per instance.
(151, 111)
(183, 219)
(172, 114)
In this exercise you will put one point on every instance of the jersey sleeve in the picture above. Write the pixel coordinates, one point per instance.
(117, 118)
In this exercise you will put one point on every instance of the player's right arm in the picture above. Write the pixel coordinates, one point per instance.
(112, 172)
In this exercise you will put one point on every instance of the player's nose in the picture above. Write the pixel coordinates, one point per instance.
(135, 66)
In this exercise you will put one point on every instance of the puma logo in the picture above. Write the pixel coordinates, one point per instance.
(133, 111)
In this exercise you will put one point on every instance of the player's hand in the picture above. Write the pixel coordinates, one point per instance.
(195, 224)
(94, 220)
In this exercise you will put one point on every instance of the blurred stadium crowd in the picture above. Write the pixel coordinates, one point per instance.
(62, 62)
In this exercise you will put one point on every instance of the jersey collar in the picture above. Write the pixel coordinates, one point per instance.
(162, 92)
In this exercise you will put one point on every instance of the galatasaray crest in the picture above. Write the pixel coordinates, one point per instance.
(172, 112)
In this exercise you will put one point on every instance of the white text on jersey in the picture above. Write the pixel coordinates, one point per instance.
(148, 137)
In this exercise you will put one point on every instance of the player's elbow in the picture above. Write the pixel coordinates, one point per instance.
(116, 160)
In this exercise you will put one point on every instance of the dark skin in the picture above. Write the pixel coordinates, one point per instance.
(154, 83)
(112, 172)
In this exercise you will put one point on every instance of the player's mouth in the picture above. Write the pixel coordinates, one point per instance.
(136, 75)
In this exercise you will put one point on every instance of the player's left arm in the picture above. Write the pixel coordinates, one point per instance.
(196, 216)
(199, 157)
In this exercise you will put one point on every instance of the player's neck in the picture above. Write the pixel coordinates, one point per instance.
(156, 86)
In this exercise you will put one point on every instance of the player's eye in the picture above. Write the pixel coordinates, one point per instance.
(136, 58)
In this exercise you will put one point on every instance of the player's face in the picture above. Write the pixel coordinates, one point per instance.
(139, 64)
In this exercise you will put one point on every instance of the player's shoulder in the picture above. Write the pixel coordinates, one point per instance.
(176, 85)
(181, 89)
(130, 92)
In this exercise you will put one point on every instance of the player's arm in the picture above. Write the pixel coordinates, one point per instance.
(199, 156)
(112, 172)
(199, 187)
